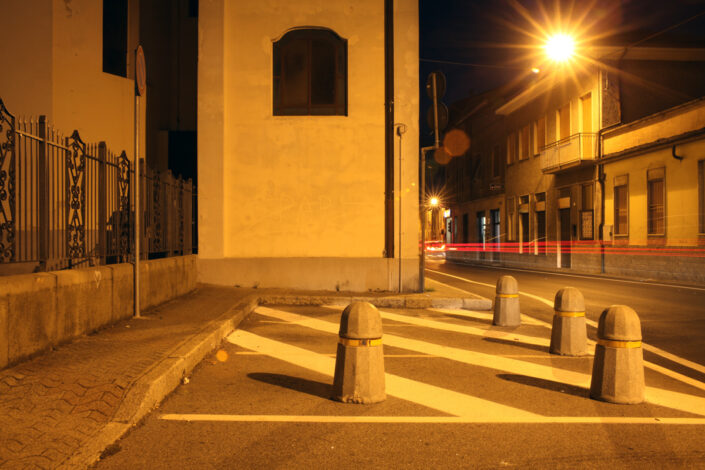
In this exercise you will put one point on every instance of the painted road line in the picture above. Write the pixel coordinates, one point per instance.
(590, 343)
(424, 419)
(486, 332)
(597, 278)
(470, 330)
(647, 347)
(437, 398)
(656, 396)
(487, 316)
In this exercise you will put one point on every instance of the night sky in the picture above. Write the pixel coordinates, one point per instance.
(491, 42)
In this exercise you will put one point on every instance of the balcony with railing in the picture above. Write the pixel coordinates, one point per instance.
(572, 151)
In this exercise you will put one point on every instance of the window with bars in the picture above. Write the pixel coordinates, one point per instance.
(621, 206)
(310, 73)
(656, 202)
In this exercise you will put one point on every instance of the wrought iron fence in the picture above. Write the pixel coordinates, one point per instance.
(64, 203)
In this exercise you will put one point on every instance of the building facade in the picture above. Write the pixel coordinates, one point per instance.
(567, 139)
(308, 144)
(74, 63)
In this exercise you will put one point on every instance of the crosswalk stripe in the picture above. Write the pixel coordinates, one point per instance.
(441, 399)
(675, 400)
(647, 347)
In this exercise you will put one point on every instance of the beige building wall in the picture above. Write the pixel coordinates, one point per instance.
(298, 201)
(53, 56)
(680, 175)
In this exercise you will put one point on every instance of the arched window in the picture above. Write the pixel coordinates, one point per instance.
(310, 73)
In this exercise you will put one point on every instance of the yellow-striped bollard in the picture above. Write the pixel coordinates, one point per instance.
(569, 332)
(618, 370)
(359, 362)
(506, 302)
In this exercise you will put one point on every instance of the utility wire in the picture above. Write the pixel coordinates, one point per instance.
(470, 64)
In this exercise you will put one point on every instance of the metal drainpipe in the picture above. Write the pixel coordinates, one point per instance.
(601, 182)
(389, 128)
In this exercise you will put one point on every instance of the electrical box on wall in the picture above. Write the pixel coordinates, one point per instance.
(607, 233)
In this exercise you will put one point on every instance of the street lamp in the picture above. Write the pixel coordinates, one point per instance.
(560, 47)
(434, 201)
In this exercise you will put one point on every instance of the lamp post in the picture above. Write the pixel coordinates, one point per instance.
(560, 47)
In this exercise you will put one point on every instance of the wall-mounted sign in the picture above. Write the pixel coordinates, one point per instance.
(496, 187)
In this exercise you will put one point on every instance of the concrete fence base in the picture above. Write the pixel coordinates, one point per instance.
(38, 311)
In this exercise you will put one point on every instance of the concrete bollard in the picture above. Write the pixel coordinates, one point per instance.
(506, 302)
(359, 362)
(618, 370)
(569, 332)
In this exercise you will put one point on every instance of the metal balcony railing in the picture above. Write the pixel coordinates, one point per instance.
(569, 152)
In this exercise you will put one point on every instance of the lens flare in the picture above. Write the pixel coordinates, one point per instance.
(560, 47)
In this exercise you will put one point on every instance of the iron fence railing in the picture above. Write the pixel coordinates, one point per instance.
(64, 203)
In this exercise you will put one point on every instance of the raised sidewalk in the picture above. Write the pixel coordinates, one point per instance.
(64, 408)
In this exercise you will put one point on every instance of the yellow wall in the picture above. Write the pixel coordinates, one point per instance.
(680, 175)
(25, 81)
(659, 126)
(681, 192)
(54, 67)
(301, 186)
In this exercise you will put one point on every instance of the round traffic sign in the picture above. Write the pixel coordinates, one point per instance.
(140, 72)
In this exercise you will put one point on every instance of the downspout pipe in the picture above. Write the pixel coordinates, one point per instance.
(601, 182)
(389, 129)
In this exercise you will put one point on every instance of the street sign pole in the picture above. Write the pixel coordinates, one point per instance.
(140, 89)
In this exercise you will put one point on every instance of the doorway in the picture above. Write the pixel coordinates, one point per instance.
(566, 242)
(494, 240)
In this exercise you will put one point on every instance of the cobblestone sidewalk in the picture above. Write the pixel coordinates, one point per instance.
(52, 405)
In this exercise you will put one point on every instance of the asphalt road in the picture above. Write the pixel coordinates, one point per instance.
(461, 394)
(672, 316)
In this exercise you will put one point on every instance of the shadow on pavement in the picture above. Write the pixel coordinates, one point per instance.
(318, 389)
(519, 344)
(546, 384)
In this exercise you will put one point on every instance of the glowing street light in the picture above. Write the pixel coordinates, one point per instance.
(560, 47)
(434, 201)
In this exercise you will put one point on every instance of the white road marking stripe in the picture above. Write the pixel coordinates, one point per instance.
(525, 319)
(647, 347)
(470, 330)
(426, 419)
(486, 332)
(430, 396)
(254, 353)
(656, 396)
(625, 281)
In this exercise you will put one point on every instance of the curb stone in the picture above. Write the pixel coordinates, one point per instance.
(148, 391)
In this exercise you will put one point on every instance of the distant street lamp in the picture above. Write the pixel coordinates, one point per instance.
(560, 47)
(434, 201)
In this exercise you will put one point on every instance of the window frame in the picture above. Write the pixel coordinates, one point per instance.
(308, 36)
(539, 142)
(559, 122)
(621, 182)
(652, 176)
